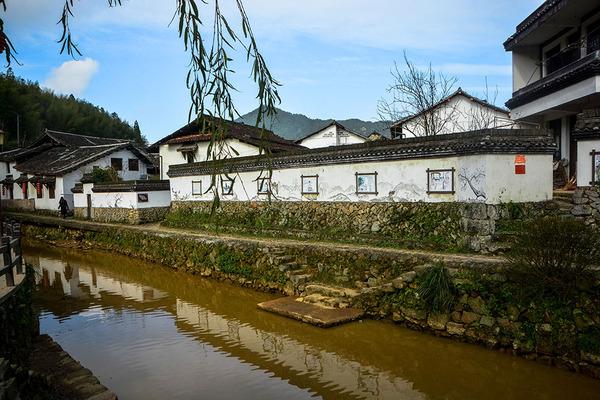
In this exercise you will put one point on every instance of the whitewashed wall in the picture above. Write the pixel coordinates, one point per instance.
(483, 178)
(170, 156)
(331, 136)
(462, 115)
(161, 198)
(584, 161)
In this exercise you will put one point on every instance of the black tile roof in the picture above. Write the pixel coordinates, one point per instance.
(192, 132)
(488, 141)
(544, 11)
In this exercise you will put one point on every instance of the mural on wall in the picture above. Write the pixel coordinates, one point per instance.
(473, 180)
(595, 167)
(366, 183)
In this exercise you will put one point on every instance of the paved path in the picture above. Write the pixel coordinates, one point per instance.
(156, 228)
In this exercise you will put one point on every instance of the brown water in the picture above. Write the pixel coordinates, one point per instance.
(150, 333)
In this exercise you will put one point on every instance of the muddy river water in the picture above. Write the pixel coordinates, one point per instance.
(148, 332)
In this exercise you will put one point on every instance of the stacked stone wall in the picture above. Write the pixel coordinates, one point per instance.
(586, 205)
(132, 216)
(441, 226)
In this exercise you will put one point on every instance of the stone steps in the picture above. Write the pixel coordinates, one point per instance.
(328, 296)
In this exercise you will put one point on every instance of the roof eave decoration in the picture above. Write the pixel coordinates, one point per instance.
(488, 141)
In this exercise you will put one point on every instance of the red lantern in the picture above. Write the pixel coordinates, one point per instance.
(24, 188)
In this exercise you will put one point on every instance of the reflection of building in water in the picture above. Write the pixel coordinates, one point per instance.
(343, 374)
(56, 272)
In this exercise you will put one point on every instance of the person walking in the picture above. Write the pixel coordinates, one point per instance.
(63, 206)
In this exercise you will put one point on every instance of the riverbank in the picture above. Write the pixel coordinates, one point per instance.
(488, 308)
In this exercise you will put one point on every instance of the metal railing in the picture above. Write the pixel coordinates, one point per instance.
(10, 247)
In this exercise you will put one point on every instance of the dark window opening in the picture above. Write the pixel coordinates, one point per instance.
(593, 37)
(134, 164)
(556, 127)
(190, 157)
(51, 192)
(116, 164)
(39, 190)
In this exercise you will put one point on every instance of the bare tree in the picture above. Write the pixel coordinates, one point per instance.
(485, 116)
(416, 94)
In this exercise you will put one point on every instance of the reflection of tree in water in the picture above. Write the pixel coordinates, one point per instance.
(312, 360)
(233, 328)
(368, 382)
(68, 272)
(271, 343)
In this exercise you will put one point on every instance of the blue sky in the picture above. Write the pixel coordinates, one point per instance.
(333, 57)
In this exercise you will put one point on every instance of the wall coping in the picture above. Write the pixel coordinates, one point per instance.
(131, 186)
(488, 141)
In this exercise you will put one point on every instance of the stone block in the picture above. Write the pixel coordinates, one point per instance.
(413, 315)
(487, 321)
(469, 317)
(437, 321)
(404, 279)
(581, 210)
(477, 305)
(455, 328)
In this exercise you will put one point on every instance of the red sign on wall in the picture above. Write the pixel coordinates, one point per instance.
(520, 169)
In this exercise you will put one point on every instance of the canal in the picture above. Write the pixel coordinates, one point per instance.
(148, 332)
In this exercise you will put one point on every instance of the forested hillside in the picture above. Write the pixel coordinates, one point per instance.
(295, 126)
(39, 109)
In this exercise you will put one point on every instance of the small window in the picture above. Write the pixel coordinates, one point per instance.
(264, 185)
(310, 184)
(142, 197)
(196, 188)
(366, 183)
(134, 164)
(116, 164)
(51, 192)
(595, 167)
(226, 186)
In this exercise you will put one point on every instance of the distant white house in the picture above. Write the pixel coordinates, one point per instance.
(36, 177)
(190, 143)
(333, 134)
(458, 112)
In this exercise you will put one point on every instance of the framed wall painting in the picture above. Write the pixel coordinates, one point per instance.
(595, 167)
(310, 184)
(366, 183)
(440, 181)
(263, 185)
(196, 188)
(142, 197)
(226, 186)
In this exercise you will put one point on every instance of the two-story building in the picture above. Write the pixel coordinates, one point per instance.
(36, 177)
(556, 79)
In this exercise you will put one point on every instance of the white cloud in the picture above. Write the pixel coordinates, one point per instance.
(72, 77)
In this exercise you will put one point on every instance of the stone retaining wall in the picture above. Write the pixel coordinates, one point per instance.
(123, 215)
(17, 319)
(586, 205)
(19, 204)
(439, 226)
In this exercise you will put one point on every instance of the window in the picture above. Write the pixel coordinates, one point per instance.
(134, 164)
(440, 181)
(116, 164)
(39, 190)
(142, 197)
(556, 127)
(310, 184)
(196, 188)
(51, 191)
(226, 186)
(593, 37)
(553, 59)
(7, 167)
(366, 183)
(264, 185)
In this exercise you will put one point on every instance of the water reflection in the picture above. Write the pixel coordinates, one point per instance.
(149, 332)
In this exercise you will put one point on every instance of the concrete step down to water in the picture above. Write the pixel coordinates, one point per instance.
(323, 317)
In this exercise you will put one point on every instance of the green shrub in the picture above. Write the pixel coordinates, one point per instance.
(105, 175)
(554, 256)
(436, 289)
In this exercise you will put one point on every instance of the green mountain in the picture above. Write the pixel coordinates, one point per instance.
(38, 109)
(295, 126)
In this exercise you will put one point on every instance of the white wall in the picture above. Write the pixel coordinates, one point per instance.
(584, 161)
(525, 66)
(170, 156)
(460, 114)
(161, 198)
(331, 136)
(487, 178)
